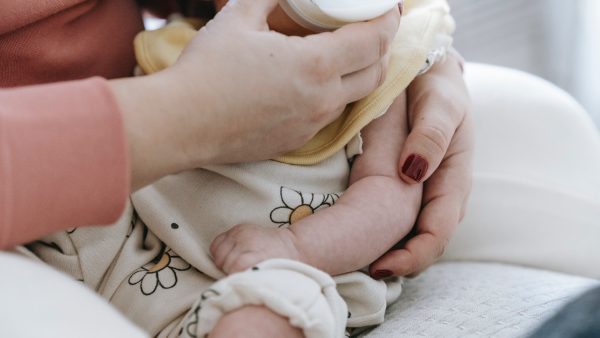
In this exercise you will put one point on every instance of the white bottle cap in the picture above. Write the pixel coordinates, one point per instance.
(324, 15)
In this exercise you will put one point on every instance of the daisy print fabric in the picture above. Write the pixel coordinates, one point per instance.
(296, 205)
(160, 272)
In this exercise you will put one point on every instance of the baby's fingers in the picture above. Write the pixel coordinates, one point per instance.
(220, 249)
(358, 45)
(241, 261)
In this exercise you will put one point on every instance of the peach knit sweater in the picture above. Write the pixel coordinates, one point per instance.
(63, 155)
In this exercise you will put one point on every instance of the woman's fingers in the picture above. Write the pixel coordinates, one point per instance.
(427, 143)
(443, 209)
(359, 84)
(444, 200)
(346, 55)
(438, 104)
(417, 255)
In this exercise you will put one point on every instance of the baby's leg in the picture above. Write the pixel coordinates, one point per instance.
(254, 321)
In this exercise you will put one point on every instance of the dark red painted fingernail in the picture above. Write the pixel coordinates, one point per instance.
(415, 167)
(381, 274)
(401, 6)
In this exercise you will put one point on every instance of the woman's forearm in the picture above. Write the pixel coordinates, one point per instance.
(63, 159)
(155, 134)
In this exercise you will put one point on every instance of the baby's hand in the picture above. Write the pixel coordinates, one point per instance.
(246, 245)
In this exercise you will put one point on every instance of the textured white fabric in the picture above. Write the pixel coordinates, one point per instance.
(478, 300)
(312, 304)
(536, 191)
(37, 301)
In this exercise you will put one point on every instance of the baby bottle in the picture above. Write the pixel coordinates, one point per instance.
(326, 15)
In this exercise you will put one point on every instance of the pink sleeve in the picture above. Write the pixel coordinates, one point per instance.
(63, 159)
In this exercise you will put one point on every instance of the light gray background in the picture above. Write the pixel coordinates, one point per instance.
(557, 40)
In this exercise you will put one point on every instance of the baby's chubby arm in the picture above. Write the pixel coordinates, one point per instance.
(376, 211)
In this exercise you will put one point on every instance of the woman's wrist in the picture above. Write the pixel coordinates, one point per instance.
(155, 129)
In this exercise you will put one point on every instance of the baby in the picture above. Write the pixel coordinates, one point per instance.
(203, 244)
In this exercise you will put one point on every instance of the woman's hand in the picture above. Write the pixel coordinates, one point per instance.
(240, 92)
(438, 152)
